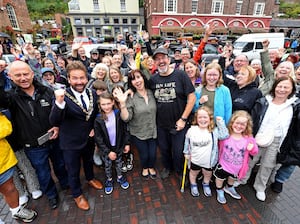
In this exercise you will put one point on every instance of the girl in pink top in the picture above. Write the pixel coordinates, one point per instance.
(234, 154)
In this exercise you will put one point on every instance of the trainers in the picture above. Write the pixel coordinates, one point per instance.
(232, 192)
(97, 159)
(123, 182)
(25, 214)
(165, 173)
(260, 195)
(23, 199)
(277, 187)
(36, 194)
(108, 186)
(53, 202)
(194, 190)
(129, 162)
(206, 190)
(221, 197)
(124, 167)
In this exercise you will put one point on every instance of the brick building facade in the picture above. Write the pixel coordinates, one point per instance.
(14, 17)
(169, 17)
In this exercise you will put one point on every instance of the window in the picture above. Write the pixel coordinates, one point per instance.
(239, 5)
(107, 32)
(123, 5)
(117, 29)
(74, 5)
(12, 16)
(259, 9)
(77, 21)
(133, 21)
(217, 7)
(97, 21)
(194, 6)
(87, 21)
(116, 21)
(98, 32)
(125, 21)
(79, 32)
(170, 5)
(106, 20)
(96, 5)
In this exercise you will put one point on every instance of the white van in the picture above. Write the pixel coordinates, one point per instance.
(251, 44)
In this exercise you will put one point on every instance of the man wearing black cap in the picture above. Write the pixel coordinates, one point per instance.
(175, 98)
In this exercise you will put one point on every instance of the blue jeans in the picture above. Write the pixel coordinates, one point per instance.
(171, 147)
(39, 158)
(284, 173)
(147, 151)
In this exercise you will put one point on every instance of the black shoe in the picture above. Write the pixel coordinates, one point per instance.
(165, 173)
(277, 187)
(53, 203)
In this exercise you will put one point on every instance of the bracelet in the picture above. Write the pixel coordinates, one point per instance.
(183, 119)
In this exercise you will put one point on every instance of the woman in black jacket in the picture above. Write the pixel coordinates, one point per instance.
(289, 155)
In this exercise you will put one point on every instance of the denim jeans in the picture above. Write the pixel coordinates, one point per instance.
(39, 158)
(171, 147)
(284, 173)
(147, 151)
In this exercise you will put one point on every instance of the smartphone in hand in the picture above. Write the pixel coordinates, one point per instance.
(44, 138)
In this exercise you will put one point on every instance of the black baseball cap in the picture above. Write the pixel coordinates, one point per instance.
(160, 50)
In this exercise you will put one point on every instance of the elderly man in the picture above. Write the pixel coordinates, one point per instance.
(30, 104)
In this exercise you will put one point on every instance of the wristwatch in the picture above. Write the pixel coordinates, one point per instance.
(184, 119)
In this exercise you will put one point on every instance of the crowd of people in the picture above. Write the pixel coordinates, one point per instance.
(78, 111)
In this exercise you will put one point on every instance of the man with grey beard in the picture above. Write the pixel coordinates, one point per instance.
(175, 98)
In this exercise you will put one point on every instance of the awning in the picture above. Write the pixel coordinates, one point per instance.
(170, 29)
(258, 30)
(194, 29)
(221, 30)
(238, 30)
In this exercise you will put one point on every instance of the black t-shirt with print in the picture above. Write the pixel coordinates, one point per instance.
(170, 93)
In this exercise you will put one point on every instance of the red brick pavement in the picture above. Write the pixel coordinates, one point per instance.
(157, 201)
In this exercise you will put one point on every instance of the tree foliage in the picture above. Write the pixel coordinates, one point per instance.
(45, 9)
(290, 10)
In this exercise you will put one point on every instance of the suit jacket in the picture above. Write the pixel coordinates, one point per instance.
(102, 137)
(73, 122)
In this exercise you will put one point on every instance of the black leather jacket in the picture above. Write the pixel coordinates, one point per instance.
(290, 148)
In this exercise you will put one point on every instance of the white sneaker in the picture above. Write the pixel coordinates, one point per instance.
(260, 195)
(1, 222)
(23, 199)
(36, 194)
(97, 159)
(25, 214)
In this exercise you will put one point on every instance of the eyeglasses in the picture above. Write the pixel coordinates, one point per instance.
(212, 75)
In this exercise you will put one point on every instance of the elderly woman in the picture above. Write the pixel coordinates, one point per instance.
(285, 68)
(272, 116)
(243, 89)
(100, 72)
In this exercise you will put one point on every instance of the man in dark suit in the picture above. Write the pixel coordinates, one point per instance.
(74, 112)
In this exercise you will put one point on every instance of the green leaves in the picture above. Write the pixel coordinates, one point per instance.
(45, 9)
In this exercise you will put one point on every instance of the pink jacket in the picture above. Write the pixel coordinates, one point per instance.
(253, 152)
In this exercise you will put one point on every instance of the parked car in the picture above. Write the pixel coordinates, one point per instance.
(8, 58)
(97, 40)
(58, 46)
(82, 39)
